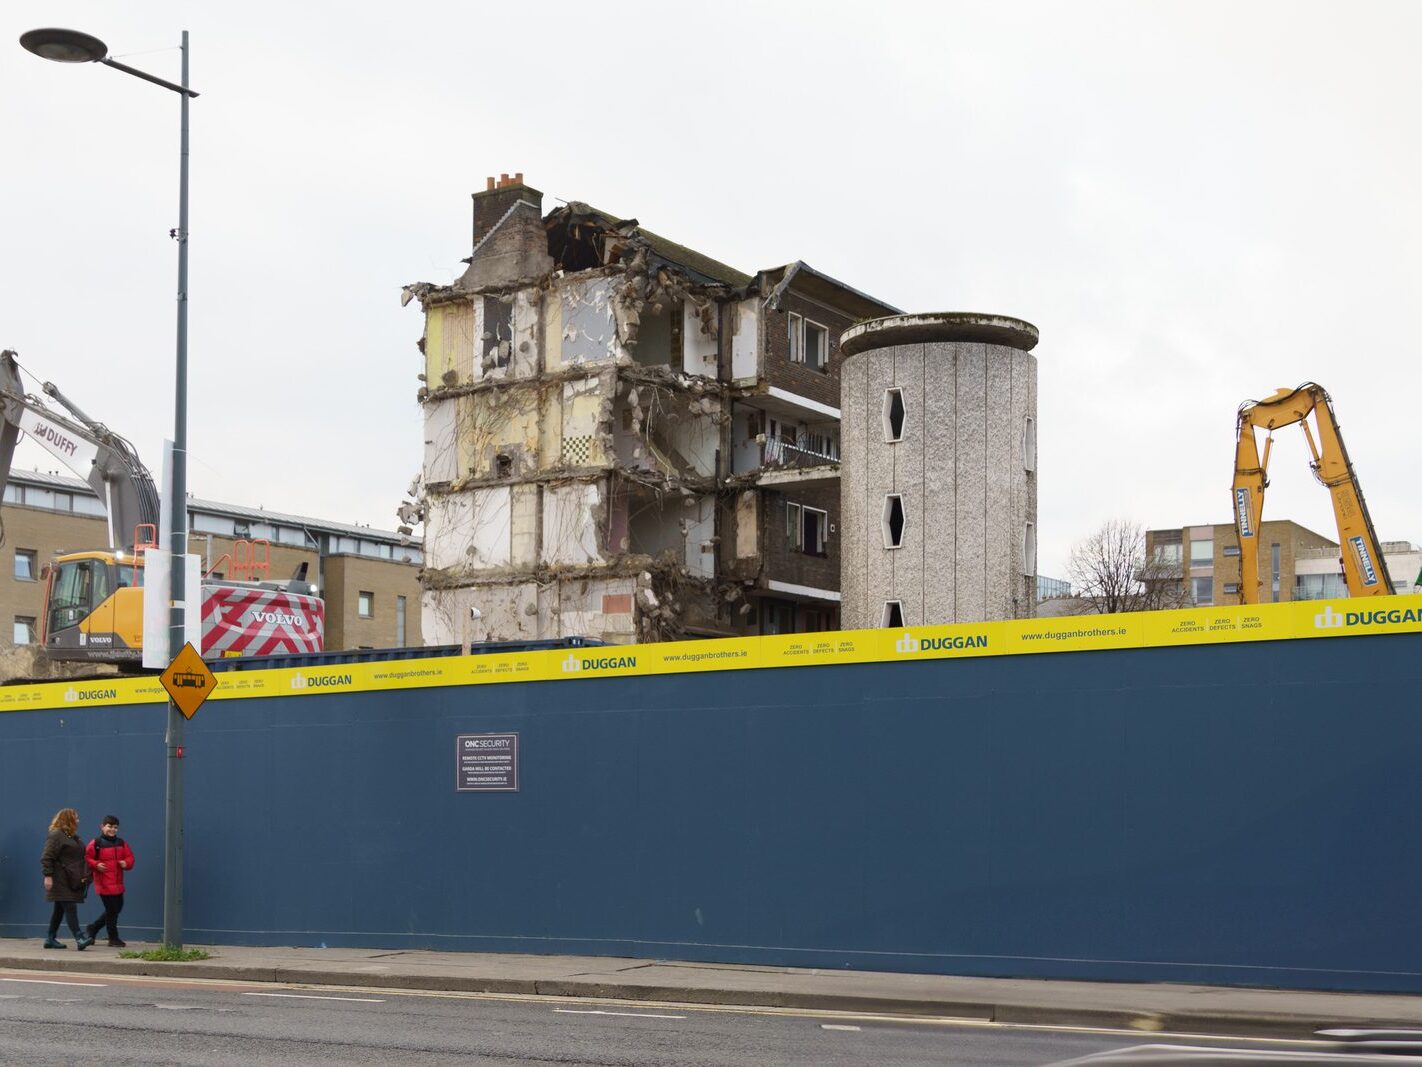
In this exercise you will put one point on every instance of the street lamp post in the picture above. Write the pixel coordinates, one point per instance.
(71, 46)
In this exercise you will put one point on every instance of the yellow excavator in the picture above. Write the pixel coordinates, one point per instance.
(1364, 569)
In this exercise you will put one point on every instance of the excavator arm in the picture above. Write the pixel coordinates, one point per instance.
(1364, 569)
(90, 449)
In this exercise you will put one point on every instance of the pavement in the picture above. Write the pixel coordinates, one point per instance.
(1144, 1007)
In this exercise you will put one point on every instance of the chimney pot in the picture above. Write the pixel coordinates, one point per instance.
(503, 180)
(518, 178)
(490, 187)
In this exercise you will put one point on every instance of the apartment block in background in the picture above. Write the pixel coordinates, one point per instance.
(368, 578)
(1208, 559)
(625, 438)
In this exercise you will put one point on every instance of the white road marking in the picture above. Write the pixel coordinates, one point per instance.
(46, 981)
(837, 1026)
(628, 1014)
(303, 996)
(61, 1000)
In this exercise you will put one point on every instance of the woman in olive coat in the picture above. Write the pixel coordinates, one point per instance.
(66, 877)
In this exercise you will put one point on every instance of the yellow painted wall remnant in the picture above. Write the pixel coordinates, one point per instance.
(449, 344)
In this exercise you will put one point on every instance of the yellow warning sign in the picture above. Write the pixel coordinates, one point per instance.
(188, 680)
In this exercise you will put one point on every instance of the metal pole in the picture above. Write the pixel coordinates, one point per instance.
(178, 545)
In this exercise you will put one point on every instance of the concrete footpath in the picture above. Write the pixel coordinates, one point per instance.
(1145, 1007)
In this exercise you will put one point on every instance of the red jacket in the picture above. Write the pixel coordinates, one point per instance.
(99, 850)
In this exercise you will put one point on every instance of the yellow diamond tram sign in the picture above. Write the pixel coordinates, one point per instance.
(188, 681)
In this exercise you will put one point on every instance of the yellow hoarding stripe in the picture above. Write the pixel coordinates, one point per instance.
(1077, 633)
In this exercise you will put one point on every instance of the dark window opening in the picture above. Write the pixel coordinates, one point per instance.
(894, 521)
(893, 614)
(497, 340)
(816, 346)
(894, 414)
(503, 466)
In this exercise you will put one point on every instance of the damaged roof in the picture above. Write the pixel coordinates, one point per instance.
(574, 217)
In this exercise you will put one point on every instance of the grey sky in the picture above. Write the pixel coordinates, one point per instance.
(1195, 203)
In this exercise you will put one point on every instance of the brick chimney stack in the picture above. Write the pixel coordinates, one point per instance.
(509, 240)
(494, 201)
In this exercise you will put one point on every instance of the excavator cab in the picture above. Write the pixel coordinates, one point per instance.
(93, 604)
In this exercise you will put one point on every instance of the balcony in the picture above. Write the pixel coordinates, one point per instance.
(780, 453)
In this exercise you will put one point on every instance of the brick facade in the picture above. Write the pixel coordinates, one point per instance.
(780, 371)
(785, 563)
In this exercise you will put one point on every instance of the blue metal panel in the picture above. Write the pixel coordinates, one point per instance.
(1230, 813)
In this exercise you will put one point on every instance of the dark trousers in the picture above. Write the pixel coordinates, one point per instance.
(113, 904)
(68, 911)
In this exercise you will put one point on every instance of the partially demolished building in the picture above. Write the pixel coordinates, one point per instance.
(625, 438)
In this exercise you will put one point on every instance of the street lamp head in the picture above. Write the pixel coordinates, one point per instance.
(64, 46)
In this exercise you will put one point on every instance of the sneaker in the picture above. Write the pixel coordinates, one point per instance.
(50, 942)
(116, 943)
(83, 942)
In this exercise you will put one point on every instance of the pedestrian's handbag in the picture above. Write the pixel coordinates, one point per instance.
(87, 877)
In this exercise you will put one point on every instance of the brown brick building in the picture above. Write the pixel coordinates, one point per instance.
(1208, 558)
(368, 578)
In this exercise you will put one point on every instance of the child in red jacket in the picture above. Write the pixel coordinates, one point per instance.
(108, 857)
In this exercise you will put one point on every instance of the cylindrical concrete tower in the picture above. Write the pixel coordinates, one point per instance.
(938, 470)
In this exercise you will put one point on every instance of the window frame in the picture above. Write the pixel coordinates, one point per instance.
(365, 604)
(821, 367)
(31, 624)
(32, 556)
(891, 545)
(889, 436)
(822, 521)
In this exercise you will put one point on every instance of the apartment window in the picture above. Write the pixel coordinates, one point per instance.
(1029, 548)
(809, 343)
(24, 630)
(1231, 550)
(893, 414)
(1202, 553)
(1168, 554)
(816, 531)
(806, 529)
(400, 621)
(893, 616)
(365, 605)
(1274, 571)
(894, 521)
(777, 617)
(1029, 444)
(1231, 589)
(26, 568)
(241, 530)
(63, 501)
(816, 346)
(1202, 590)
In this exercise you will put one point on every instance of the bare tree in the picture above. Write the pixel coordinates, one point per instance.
(1110, 572)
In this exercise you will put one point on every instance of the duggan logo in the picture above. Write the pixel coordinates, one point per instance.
(319, 681)
(76, 696)
(1241, 511)
(597, 663)
(1328, 619)
(908, 644)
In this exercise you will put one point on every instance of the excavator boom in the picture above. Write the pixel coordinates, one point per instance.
(1364, 569)
(90, 449)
